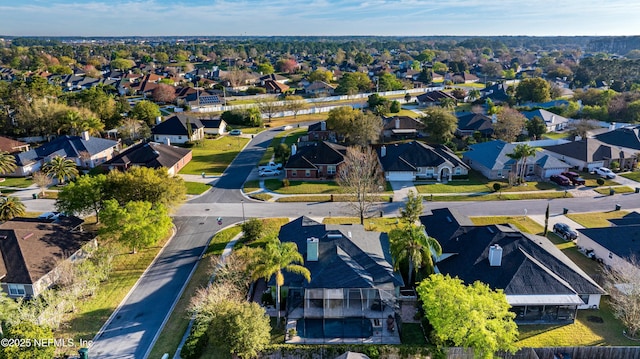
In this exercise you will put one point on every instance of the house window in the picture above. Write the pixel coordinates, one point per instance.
(16, 289)
(584, 298)
(307, 173)
(331, 170)
(499, 173)
(429, 171)
(294, 173)
(458, 170)
(179, 137)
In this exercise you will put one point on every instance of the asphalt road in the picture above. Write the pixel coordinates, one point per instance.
(132, 330)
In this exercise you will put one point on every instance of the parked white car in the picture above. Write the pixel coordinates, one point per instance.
(268, 172)
(605, 172)
(270, 166)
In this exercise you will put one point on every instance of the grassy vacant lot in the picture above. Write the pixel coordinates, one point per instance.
(20, 182)
(213, 156)
(195, 188)
(596, 219)
(525, 224)
(179, 320)
(478, 183)
(93, 312)
(634, 176)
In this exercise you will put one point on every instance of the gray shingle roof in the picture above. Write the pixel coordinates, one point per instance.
(152, 155)
(531, 265)
(411, 155)
(628, 137)
(493, 155)
(624, 241)
(349, 256)
(176, 125)
(307, 157)
(65, 146)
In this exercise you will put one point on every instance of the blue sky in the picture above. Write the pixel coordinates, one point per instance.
(318, 17)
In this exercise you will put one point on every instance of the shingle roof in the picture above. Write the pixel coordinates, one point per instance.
(66, 146)
(493, 155)
(531, 265)
(474, 122)
(434, 96)
(588, 150)
(411, 155)
(624, 241)
(628, 137)
(176, 125)
(152, 155)
(307, 157)
(31, 247)
(348, 256)
(404, 122)
(10, 145)
(549, 118)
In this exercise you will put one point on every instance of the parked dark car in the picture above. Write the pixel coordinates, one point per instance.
(574, 178)
(564, 231)
(560, 180)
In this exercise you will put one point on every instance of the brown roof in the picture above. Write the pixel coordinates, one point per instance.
(10, 145)
(273, 86)
(31, 247)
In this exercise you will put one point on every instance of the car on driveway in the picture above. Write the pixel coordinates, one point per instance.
(268, 172)
(574, 178)
(564, 231)
(560, 180)
(235, 132)
(605, 172)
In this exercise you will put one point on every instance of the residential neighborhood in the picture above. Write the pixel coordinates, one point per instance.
(267, 197)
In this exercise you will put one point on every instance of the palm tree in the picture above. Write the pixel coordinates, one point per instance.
(275, 258)
(523, 151)
(516, 156)
(474, 95)
(11, 207)
(93, 125)
(448, 103)
(7, 163)
(413, 244)
(60, 168)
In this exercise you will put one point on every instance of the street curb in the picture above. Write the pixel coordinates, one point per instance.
(115, 312)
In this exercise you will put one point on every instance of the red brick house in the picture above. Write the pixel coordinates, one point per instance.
(319, 160)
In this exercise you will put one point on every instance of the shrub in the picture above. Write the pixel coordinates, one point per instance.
(600, 181)
(256, 90)
(196, 342)
(496, 187)
(252, 229)
(285, 183)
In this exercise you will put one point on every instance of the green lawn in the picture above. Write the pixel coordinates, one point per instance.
(251, 186)
(261, 196)
(303, 187)
(195, 188)
(607, 190)
(20, 182)
(380, 224)
(478, 183)
(525, 224)
(179, 320)
(634, 176)
(93, 312)
(213, 156)
(407, 113)
(328, 198)
(596, 219)
(505, 196)
(555, 135)
(291, 137)
(412, 334)
(591, 180)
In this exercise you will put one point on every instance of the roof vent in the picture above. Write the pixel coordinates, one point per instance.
(449, 219)
(334, 235)
(349, 234)
(495, 255)
(3, 237)
(28, 236)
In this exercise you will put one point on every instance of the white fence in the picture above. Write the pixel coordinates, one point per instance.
(316, 102)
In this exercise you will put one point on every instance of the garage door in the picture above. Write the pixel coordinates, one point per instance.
(553, 171)
(400, 176)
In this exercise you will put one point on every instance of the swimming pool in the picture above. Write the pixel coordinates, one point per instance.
(334, 328)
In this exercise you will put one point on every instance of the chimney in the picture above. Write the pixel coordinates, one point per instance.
(397, 123)
(383, 151)
(323, 126)
(312, 249)
(553, 118)
(167, 141)
(85, 135)
(495, 255)
(494, 118)
(158, 120)
(612, 126)
(294, 149)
